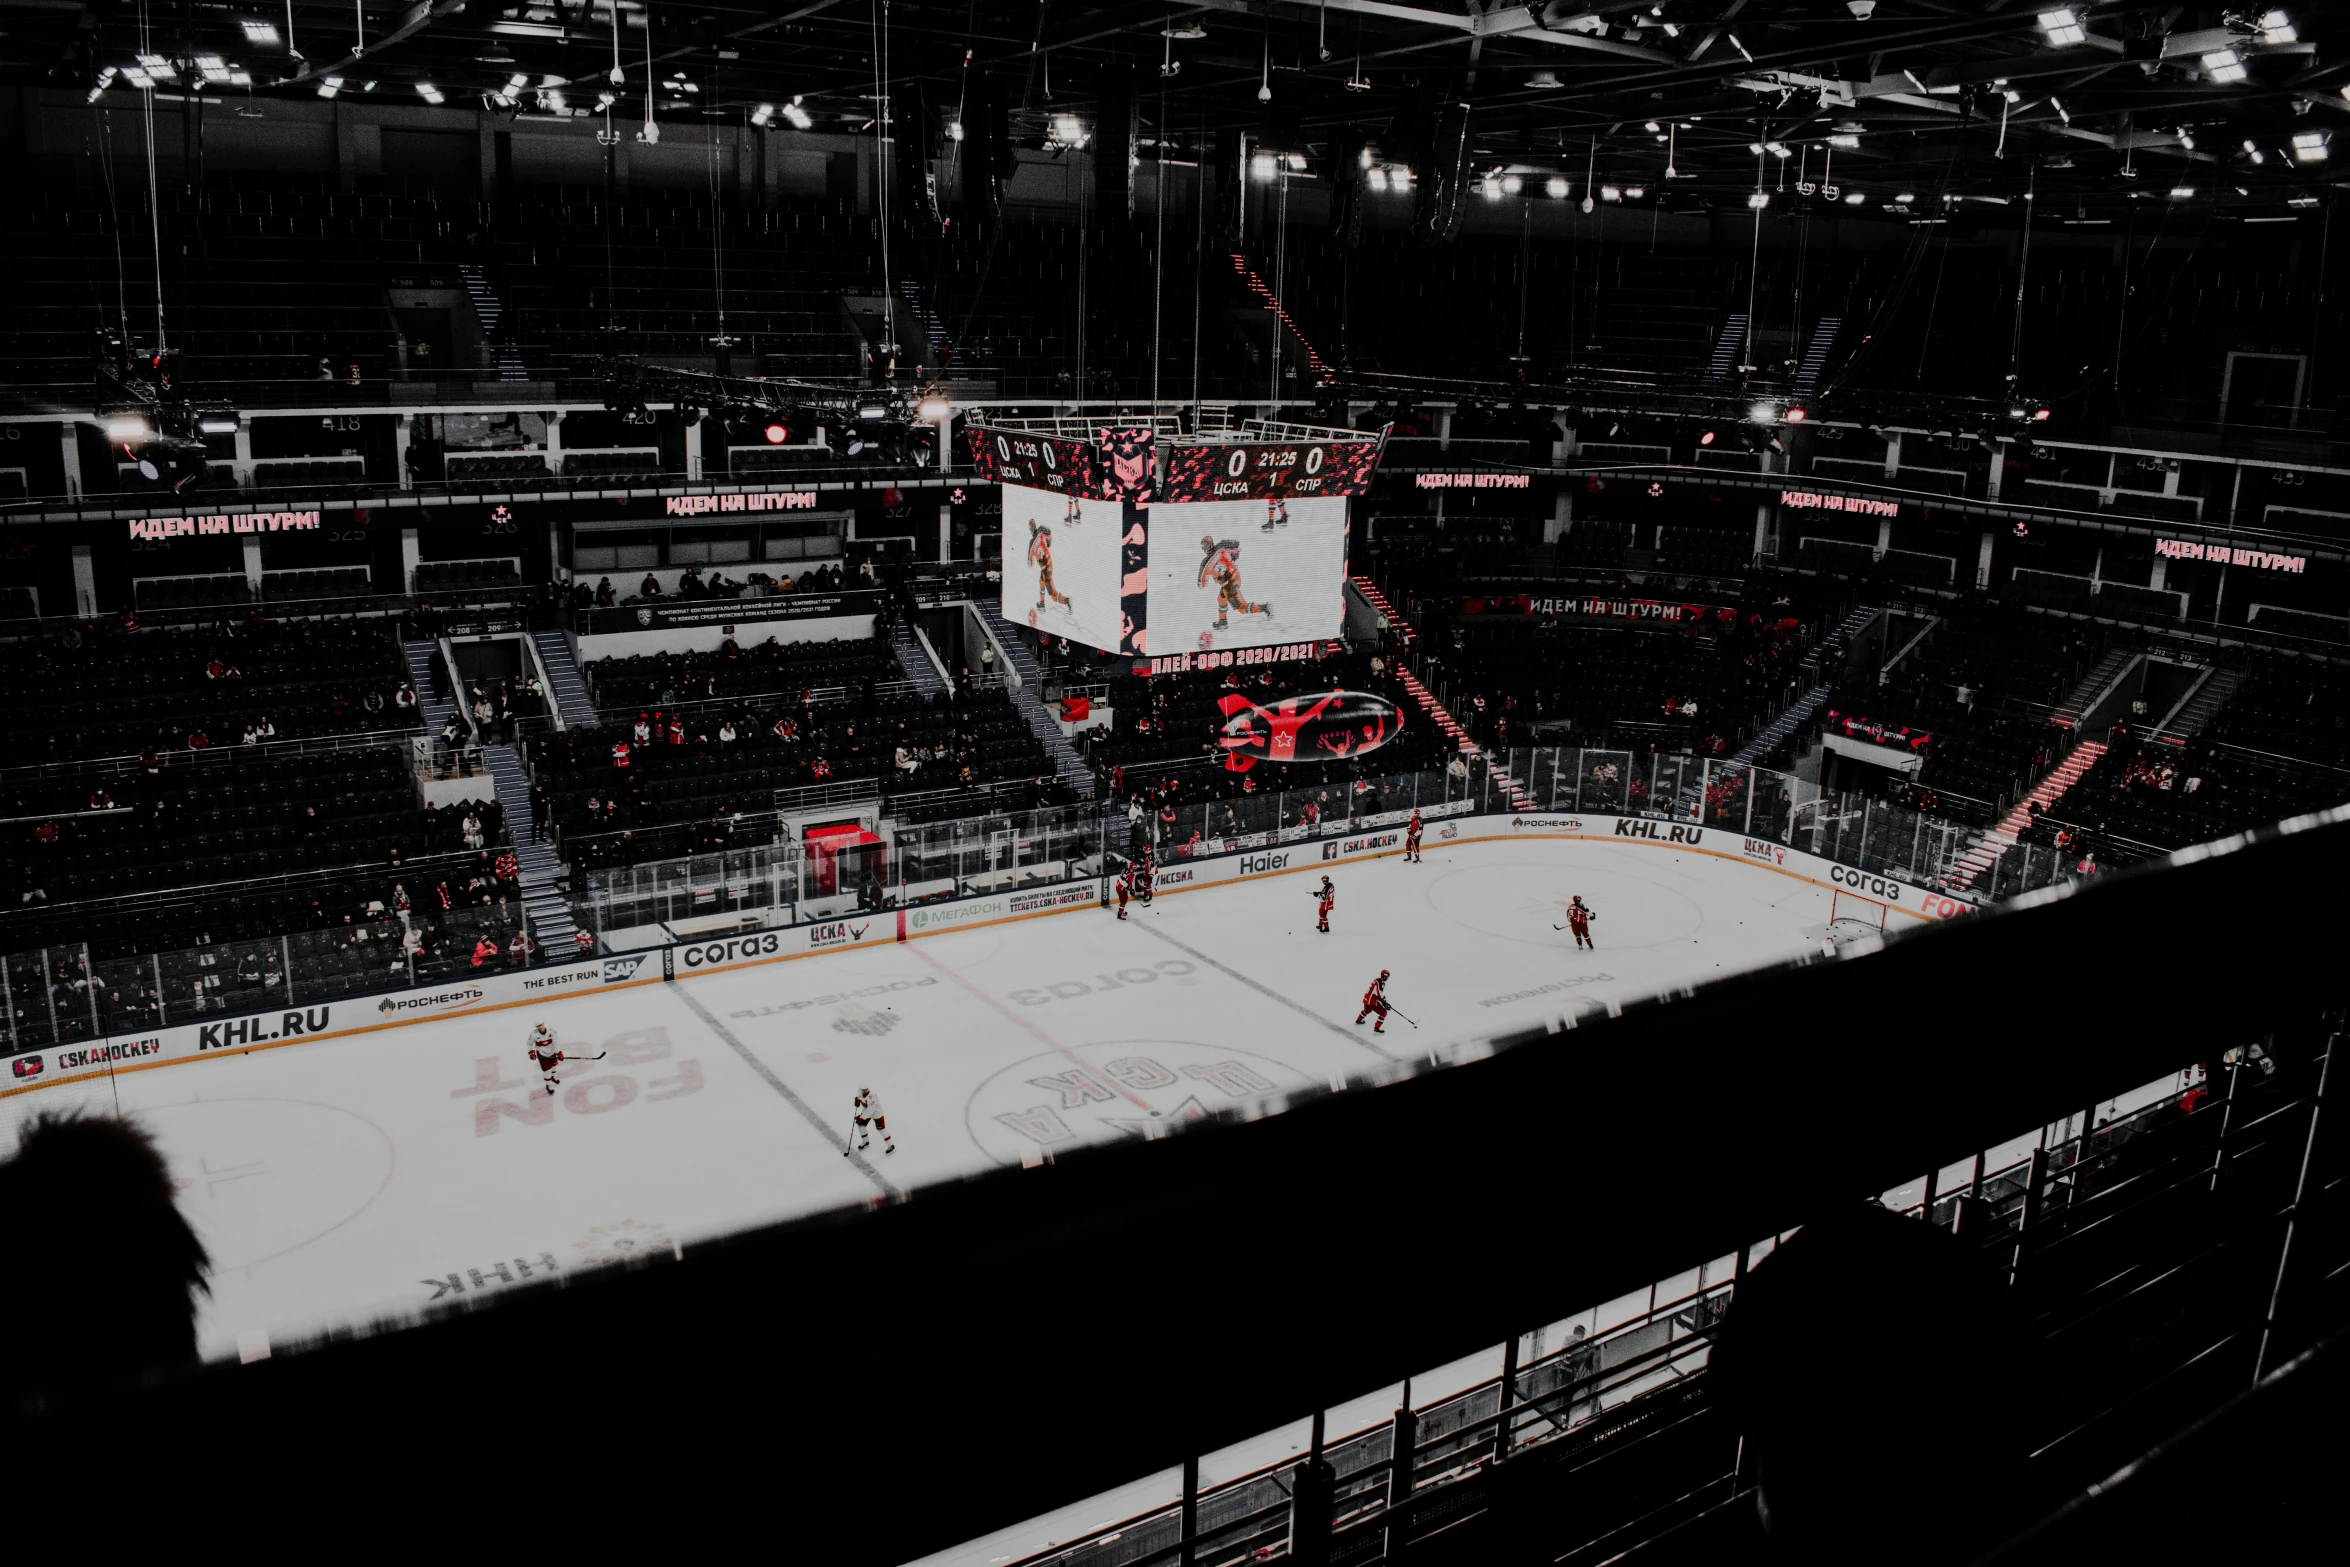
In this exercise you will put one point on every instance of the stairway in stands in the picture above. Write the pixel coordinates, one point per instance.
(565, 683)
(2098, 684)
(436, 709)
(1030, 680)
(2003, 837)
(915, 660)
(1815, 355)
(1256, 285)
(1519, 799)
(1727, 347)
(2199, 706)
(542, 868)
(489, 310)
(934, 331)
(1799, 712)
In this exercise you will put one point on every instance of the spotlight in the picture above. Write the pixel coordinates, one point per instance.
(1796, 413)
(1556, 188)
(1511, 184)
(2224, 65)
(2040, 415)
(217, 421)
(934, 410)
(872, 413)
(1764, 413)
(126, 429)
(776, 434)
(1706, 439)
(2063, 27)
(800, 118)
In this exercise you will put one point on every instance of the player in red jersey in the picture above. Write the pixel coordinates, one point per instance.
(1040, 555)
(1411, 838)
(1579, 920)
(1375, 1001)
(1125, 889)
(1326, 896)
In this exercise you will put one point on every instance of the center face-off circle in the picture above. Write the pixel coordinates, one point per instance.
(1064, 1099)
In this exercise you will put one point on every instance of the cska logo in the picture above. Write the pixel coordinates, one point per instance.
(1308, 728)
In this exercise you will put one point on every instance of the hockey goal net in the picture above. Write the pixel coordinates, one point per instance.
(1852, 911)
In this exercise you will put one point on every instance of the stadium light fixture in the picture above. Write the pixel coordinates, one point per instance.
(954, 130)
(872, 413)
(1845, 142)
(934, 410)
(2310, 147)
(2182, 192)
(1264, 165)
(1855, 199)
(1610, 193)
(1764, 413)
(528, 30)
(1376, 179)
(1635, 192)
(127, 429)
(1706, 438)
(1556, 187)
(1796, 413)
(762, 115)
(329, 86)
(1490, 188)
(776, 434)
(2224, 65)
(799, 117)
(217, 421)
(105, 80)
(1759, 200)
(2277, 28)
(2063, 28)
(429, 93)
(1511, 184)
(263, 33)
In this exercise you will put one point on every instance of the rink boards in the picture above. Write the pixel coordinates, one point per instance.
(1250, 858)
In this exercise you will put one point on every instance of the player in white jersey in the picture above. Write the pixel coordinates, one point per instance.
(869, 1111)
(547, 1055)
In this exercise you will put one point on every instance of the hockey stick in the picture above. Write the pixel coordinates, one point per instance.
(1399, 1012)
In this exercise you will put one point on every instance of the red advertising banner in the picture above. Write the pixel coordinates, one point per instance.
(1853, 726)
(1665, 611)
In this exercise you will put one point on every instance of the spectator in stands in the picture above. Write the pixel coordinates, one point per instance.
(604, 595)
(650, 588)
(117, 1261)
(404, 699)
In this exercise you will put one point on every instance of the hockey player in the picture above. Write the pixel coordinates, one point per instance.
(1040, 555)
(1074, 514)
(1146, 874)
(1411, 838)
(1276, 514)
(869, 1111)
(1326, 896)
(547, 1055)
(1579, 921)
(1220, 564)
(1375, 1001)
(1125, 889)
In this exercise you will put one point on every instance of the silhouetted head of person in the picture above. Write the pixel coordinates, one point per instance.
(100, 1264)
(1876, 1368)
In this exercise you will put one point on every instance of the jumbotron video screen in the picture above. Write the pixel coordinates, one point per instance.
(1148, 543)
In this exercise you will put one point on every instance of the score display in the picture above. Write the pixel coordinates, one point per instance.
(1277, 470)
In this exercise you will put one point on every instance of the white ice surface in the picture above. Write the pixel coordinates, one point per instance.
(333, 1181)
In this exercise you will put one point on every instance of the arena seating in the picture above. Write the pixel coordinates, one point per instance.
(768, 668)
(703, 779)
(2290, 707)
(93, 692)
(2147, 795)
(2014, 666)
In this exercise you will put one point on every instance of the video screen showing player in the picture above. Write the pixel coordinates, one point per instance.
(1061, 565)
(1227, 574)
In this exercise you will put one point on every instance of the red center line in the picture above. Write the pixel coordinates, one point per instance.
(1017, 1020)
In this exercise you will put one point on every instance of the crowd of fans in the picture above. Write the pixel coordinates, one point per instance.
(111, 688)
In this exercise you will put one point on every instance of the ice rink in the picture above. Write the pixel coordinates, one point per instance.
(350, 1178)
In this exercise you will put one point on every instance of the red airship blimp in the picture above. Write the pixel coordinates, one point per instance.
(1317, 727)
